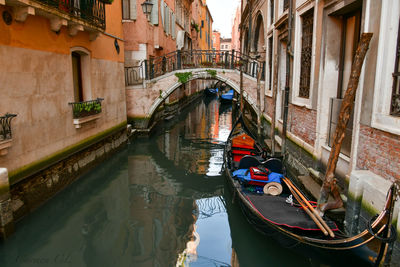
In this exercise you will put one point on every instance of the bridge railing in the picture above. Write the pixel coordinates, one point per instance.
(192, 59)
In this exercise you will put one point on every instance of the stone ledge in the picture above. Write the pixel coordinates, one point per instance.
(4, 146)
(79, 122)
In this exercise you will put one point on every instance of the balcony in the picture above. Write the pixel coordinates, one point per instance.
(86, 111)
(78, 15)
(5, 133)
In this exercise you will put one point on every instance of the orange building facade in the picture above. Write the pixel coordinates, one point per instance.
(201, 25)
(62, 75)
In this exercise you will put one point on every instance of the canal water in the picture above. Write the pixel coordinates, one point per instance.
(161, 201)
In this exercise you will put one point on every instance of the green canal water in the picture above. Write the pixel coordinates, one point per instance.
(161, 201)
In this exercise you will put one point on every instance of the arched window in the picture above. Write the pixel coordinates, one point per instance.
(259, 41)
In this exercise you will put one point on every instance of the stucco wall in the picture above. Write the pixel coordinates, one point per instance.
(37, 86)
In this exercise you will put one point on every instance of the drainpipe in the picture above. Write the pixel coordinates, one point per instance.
(288, 74)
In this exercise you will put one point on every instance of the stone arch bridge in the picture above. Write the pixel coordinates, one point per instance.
(149, 84)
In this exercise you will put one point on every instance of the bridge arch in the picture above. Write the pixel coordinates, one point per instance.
(155, 79)
(229, 77)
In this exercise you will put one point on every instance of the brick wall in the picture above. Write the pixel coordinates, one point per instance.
(268, 107)
(379, 152)
(302, 123)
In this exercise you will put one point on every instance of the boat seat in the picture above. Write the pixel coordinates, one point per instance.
(274, 165)
(248, 161)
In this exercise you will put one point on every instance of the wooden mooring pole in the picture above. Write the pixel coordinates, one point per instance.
(288, 77)
(259, 104)
(241, 90)
(329, 183)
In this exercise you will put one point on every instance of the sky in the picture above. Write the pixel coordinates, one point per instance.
(222, 12)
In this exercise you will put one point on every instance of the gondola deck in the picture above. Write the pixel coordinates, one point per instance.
(276, 210)
(267, 212)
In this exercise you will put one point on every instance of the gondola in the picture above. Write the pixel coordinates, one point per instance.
(227, 96)
(211, 91)
(279, 214)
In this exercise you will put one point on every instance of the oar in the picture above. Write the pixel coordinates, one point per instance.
(310, 207)
(306, 209)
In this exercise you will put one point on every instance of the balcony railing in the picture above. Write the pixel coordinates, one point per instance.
(86, 108)
(192, 59)
(92, 11)
(5, 126)
(134, 75)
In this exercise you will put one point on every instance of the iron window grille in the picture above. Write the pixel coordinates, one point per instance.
(306, 54)
(395, 105)
(5, 126)
(86, 108)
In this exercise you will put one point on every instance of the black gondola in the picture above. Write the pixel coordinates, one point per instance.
(277, 216)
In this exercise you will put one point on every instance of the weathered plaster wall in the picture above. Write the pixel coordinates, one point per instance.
(141, 35)
(35, 34)
(37, 86)
(27, 195)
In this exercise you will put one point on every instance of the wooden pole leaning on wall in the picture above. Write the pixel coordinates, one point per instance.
(259, 104)
(274, 91)
(329, 183)
(288, 77)
(241, 90)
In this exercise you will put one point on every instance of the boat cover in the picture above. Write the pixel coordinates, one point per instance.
(276, 210)
(245, 176)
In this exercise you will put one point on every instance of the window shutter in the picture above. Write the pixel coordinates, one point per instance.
(173, 26)
(162, 14)
(167, 20)
(133, 12)
(154, 12)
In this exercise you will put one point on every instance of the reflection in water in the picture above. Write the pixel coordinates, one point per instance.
(152, 204)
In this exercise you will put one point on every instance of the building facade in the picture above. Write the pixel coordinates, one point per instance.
(235, 30)
(225, 44)
(324, 39)
(201, 25)
(62, 76)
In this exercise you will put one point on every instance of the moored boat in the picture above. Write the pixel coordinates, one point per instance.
(211, 91)
(275, 206)
(227, 97)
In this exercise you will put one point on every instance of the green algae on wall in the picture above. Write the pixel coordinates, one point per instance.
(19, 174)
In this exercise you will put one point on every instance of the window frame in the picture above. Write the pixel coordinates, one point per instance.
(296, 99)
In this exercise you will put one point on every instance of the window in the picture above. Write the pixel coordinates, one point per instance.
(270, 44)
(395, 107)
(80, 58)
(77, 76)
(128, 9)
(350, 36)
(285, 4)
(306, 53)
(271, 11)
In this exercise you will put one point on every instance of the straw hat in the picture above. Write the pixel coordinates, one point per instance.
(273, 188)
